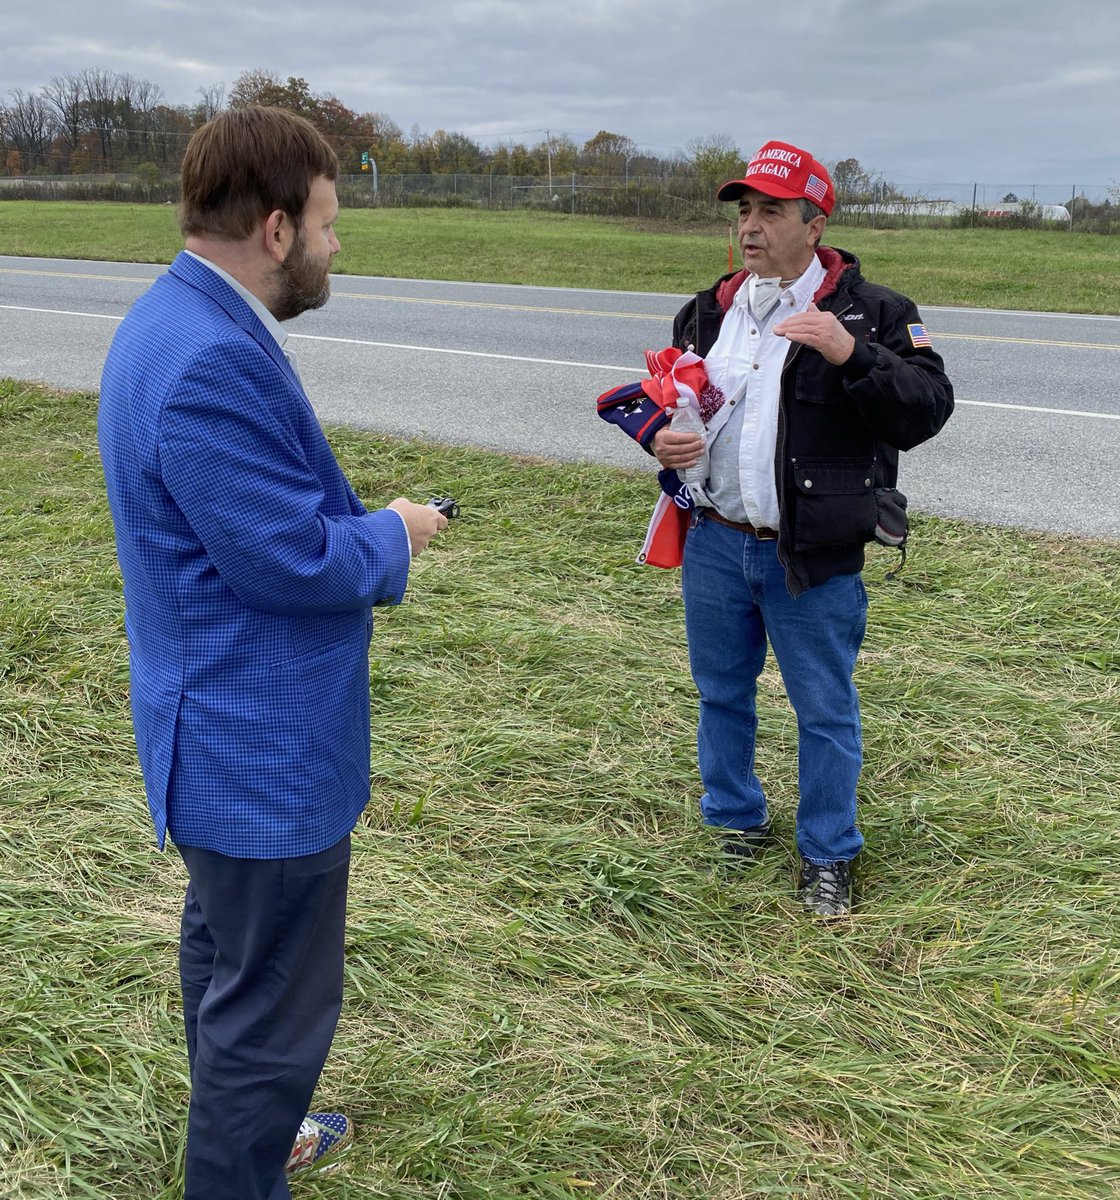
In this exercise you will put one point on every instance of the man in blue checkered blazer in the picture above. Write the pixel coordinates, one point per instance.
(250, 573)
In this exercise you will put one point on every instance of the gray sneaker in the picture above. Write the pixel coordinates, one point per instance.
(826, 890)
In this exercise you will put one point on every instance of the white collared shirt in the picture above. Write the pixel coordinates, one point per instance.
(746, 364)
(254, 302)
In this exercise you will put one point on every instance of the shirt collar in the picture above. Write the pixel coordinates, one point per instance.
(803, 288)
(254, 302)
(807, 284)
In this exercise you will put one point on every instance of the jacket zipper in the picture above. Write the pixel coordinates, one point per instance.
(781, 455)
(780, 466)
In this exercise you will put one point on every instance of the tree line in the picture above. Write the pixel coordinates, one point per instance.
(97, 122)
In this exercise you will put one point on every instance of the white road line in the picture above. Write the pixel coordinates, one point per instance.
(680, 297)
(1034, 408)
(60, 312)
(1018, 312)
(544, 362)
(555, 362)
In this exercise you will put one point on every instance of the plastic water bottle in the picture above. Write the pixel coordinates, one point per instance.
(686, 419)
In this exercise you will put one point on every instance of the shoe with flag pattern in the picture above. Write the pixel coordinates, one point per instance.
(322, 1140)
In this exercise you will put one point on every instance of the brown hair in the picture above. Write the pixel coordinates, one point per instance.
(247, 163)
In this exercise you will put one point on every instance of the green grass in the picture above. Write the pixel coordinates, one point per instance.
(987, 268)
(551, 989)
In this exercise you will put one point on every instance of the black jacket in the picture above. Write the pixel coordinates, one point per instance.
(839, 428)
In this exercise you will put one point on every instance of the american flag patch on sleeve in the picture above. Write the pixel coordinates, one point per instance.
(919, 336)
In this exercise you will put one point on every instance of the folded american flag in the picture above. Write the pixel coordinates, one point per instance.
(640, 410)
(668, 526)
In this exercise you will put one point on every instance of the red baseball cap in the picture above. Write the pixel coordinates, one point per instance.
(785, 171)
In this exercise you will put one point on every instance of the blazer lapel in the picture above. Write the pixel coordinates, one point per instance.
(191, 272)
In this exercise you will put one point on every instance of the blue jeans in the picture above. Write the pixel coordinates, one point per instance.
(736, 599)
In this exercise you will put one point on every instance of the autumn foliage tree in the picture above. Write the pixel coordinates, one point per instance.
(716, 159)
(607, 153)
(348, 133)
(102, 121)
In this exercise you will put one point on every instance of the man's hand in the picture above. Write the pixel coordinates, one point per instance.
(677, 450)
(820, 330)
(422, 521)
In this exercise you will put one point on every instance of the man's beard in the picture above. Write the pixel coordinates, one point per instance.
(302, 283)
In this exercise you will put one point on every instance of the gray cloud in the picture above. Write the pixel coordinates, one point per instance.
(930, 94)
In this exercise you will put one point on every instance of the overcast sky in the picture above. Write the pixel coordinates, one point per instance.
(932, 94)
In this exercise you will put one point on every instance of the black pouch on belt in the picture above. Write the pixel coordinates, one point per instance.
(891, 523)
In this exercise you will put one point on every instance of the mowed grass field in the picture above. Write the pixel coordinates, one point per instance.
(987, 268)
(553, 988)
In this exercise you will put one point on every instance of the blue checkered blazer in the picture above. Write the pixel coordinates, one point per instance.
(250, 570)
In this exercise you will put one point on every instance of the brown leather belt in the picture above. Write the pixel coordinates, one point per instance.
(763, 535)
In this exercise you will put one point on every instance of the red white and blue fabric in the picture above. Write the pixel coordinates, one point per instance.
(322, 1139)
(668, 525)
(816, 188)
(919, 336)
(640, 410)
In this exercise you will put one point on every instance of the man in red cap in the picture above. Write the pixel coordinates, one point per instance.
(820, 378)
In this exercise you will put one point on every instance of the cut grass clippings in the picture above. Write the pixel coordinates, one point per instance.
(552, 988)
(1048, 270)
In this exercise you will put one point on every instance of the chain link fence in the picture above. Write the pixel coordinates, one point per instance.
(673, 197)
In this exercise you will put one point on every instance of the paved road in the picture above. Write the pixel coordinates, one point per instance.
(1034, 443)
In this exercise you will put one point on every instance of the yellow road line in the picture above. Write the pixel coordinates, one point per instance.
(987, 337)
(572, 312)
(529, 308)
(77, 275)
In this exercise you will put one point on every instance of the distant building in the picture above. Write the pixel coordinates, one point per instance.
(1012, 208)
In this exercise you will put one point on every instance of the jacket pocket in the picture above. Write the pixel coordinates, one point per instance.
(819, 383)
(835, 502)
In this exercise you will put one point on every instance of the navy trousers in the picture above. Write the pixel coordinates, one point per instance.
(260, 960)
